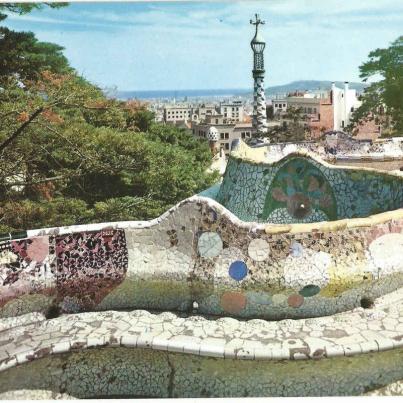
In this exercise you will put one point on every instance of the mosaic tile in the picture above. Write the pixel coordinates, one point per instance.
(309, 290)
(258, 249)
(233, 302)
(387, 252)
(27, 267)
(209, 244)
(309, 268)
(299, 189)
(279, 299)
(90, 265)
(238, 270)
(260, 298)
(295, 300)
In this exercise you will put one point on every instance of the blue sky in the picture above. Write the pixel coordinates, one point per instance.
(205, 44)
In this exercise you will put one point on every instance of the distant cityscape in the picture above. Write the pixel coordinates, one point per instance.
(324, 106)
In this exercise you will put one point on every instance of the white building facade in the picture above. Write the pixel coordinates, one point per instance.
(344, 101)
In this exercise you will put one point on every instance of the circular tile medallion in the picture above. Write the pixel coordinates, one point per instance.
(209, 244)
(295, 300)
(238, 270)
(258, 249)
(233, 302)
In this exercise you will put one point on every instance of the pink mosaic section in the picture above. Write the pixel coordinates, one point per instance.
(89, 266)
(27, 266)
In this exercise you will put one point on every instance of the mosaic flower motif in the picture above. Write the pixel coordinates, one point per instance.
(302, 189)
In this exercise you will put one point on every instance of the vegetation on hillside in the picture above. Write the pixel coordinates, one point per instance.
(70, 155)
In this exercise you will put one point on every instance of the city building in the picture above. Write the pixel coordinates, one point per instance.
(344, 101)
(279, 106)
(232, 110)
(174, 113)
(323, 111)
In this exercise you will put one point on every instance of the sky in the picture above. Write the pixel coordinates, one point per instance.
(181, 45)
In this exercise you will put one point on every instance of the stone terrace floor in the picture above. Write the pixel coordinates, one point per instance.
(358, 331)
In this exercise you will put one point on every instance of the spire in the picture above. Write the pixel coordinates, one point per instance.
(257, 38)
(259, 104)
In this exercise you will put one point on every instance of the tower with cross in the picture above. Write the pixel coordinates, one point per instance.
(259, 100)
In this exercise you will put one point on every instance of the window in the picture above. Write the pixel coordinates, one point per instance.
(243, 134)
(226, 146)
(216, 121)
(314, 110)
(226, 136)
(342, 123)
(352, 109)
(222, 136)
(309, 110)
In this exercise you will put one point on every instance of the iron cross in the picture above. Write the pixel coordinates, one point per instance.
(257, 21)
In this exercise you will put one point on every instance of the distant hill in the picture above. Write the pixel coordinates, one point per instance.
(310, 85)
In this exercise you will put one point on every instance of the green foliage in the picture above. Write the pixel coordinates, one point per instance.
(21, 53)
(24, 214)
(287, 132)
(142, 120)
(77, 157)
(383, 100)
(69, 155)
(291, 129)
(25, 8)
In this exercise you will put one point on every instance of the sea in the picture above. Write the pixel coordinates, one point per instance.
(183, 94)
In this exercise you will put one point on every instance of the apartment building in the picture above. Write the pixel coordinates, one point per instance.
(175, 113)
(232, 111)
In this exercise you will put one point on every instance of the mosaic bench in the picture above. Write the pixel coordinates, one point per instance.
(245, 248)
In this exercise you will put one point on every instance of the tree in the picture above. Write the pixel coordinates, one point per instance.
(70, 155)
(25, 8)
(291, 129)
(52, 151)
(383, 100)
(21, 54)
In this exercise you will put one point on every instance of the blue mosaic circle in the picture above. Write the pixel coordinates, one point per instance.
(238, 270)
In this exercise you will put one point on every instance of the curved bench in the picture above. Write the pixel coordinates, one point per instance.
(360, 350)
